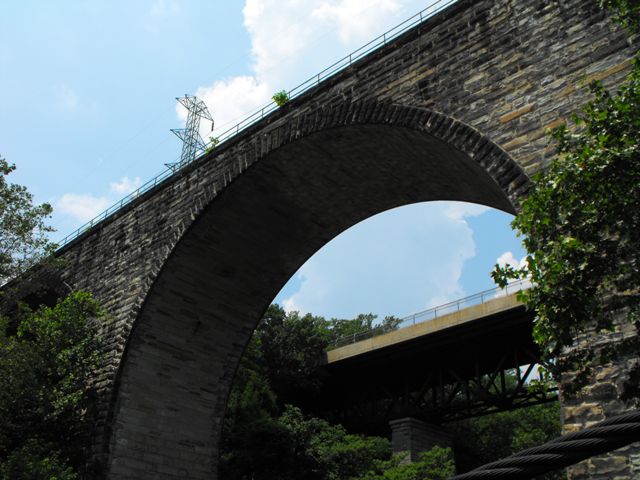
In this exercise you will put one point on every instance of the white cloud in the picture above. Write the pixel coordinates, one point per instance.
(125, 185)
(370, 17)
(289, 305)
(230, 100)
(508, 258)
(399, 262)
(279, 30)
(292, 40)
(81, 207)
(460, 210)
(279, 33)
(164, 8)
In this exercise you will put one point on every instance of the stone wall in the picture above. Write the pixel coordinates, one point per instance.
(602, 399)
(411, 436)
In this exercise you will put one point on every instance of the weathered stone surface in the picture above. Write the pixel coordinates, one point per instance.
(187, 269)
(601, 399)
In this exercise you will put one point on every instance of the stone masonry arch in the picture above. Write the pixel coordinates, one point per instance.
(318, 174)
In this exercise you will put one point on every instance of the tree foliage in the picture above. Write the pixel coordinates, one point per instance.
(46, 395)
(36, 460)
(23, 231)
(627, 12)
(486, 439)
(581, 220)
(280, 97)
(436, 464)
(290, 346)
(363, 324)
(47, 356)
(324, 451)
(295, 445)
(278, 368)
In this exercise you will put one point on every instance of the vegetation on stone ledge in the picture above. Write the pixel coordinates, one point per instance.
(280, 98)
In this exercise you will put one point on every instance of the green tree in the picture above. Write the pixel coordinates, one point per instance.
(252, 439)
(279, 367)
(493, 437)
(364, 325)
(23, 231)
(580, 224)
(47, 398)
(626, 11)
(326, 452)
(36, 461)
(47, 356)
(295, 445)
(436, 464)
(290, 347)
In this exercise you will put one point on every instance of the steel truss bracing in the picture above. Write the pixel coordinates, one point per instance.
(192, 142)
(445, 394)
(462, 370)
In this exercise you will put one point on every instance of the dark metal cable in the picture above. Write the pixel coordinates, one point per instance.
(602, 437)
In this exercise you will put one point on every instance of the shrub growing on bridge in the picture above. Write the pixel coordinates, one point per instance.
(280, 98)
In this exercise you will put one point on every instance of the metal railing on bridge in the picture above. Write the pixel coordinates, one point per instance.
(434, 312)
(433, 8)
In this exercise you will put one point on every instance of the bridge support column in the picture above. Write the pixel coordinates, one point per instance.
(410, 437)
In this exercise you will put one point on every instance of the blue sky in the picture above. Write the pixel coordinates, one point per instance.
(87, 98)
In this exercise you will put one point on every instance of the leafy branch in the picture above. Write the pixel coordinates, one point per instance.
(580, 224)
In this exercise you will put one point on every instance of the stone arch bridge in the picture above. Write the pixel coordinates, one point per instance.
(454, 109)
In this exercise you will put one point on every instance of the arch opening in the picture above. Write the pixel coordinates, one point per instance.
(403, 261)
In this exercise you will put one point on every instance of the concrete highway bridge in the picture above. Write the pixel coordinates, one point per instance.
(453, 367)
(456, 107)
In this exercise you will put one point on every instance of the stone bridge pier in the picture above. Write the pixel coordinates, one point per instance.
(411, 436)
(454, 109)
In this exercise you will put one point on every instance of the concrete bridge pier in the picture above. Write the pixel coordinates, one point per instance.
(411, 436)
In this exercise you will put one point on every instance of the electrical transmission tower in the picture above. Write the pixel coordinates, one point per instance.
(192, 142)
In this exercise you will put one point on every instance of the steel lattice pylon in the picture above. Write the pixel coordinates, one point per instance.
(192, 142)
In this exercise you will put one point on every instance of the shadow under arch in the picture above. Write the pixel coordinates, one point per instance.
(318, 174)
